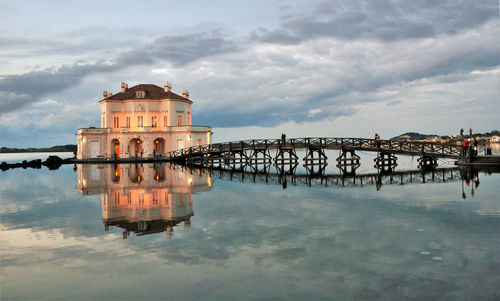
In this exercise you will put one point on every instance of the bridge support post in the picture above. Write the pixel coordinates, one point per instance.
(286, 159)
(427, 162)
(319, 160)
(211, 160)
(316, 170)
(286, 169)
(235, 157)
(259, 156)
(385, 161)
(315, 166)
(348, 164)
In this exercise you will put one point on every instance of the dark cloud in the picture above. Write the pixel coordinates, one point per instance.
(19, 90)
(179, 50)
(383, 20)
(11, 100)
(356, 84)
(395, 102)
(281, 36)
(351, 69)
(456, 65)
(274, 114)
(65, 45)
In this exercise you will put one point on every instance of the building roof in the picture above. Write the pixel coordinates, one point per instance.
(151, 91)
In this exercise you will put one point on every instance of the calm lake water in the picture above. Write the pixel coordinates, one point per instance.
(155, 232)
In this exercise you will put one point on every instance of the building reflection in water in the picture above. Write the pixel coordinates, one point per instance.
(143, 198)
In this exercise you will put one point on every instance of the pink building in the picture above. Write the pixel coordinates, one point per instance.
(142, 121)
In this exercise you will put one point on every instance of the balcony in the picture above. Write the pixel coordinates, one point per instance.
(146, 129)
(93, 130)
(183, 128)
(189, 128)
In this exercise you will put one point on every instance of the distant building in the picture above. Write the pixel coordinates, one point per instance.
(143, 121)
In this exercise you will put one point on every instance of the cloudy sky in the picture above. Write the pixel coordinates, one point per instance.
(254, 69)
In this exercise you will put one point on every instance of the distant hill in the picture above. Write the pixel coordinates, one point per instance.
(413, 136)
(418, 136)
(57, 148)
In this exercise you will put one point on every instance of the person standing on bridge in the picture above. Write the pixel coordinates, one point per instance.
(466, 146)
(474, 143)
(377, 140)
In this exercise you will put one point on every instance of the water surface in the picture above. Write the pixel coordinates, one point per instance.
(161, 232)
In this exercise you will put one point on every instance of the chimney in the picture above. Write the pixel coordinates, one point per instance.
(167, 86)
(105, 94)
(185, 93)
(124, 87)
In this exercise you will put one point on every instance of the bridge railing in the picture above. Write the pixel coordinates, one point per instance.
(402, 146)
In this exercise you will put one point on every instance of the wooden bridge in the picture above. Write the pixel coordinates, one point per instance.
(281, 152)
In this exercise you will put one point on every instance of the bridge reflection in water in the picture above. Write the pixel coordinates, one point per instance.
(143, 198)
(152, 198)
(437, 175)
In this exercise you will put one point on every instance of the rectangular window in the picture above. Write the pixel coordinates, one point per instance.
(165, 120)
(189, 118)
(154, 121)
(179, 119)
(128, 121)
(139, 121)
(116, 122)
(198, 142)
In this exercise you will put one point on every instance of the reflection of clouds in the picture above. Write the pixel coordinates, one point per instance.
(20, 189)
(318, 243)
(283, 255)
(359, 243)
(26, 248)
